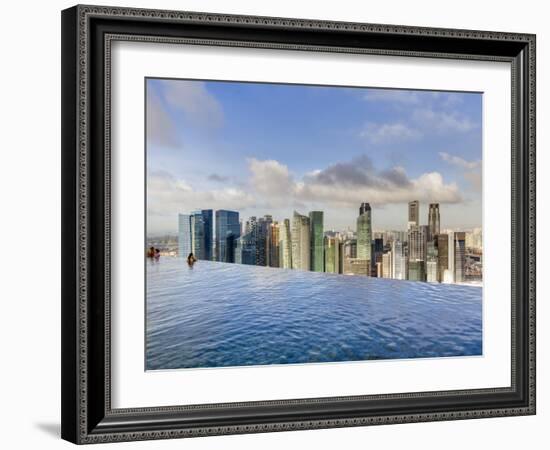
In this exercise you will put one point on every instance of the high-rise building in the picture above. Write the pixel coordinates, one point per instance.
(274, 245)
(399, 260)
(431, 262)
(377, 252)
(349, 254)
(300, 238)
(228, 229)
(245, 249)
(261, 231)
(442, 241)
(414, 213)
(364, 235)
(197, 235)
(449, 273)
(340, 255)
(417, 247)
(316, 241)
(460, 256)
(285, 252)
(332, 254)
(417, 238)
(416, 271)
(202, 234)
(387, 265)
(474, 240)
(433, 220)
(184, 235)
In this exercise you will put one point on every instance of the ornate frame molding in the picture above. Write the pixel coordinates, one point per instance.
(80, 418)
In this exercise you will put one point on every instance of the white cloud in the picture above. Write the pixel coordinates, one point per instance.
(471, 170)
(168, 196)
(270, 177)
(389, 132)
(272, 189)
(441, 121)
(458, 161)
(348, 183)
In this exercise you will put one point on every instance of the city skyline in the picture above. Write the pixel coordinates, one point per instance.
(273, 149)
(420, 253)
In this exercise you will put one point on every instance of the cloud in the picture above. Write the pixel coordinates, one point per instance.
(168, 195)
(161, 128)
(218, 178)
(270, 177)
(471, 170)
(441, 121)
(389, 132)
(421, 114)
(348, 183)
(194, 100)
(458, 161)
(272, 188)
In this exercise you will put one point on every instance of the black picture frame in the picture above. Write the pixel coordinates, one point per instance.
(87, 416)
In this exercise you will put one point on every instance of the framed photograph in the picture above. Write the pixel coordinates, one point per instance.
(277, 224)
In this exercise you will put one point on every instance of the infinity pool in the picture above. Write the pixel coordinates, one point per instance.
(218, 315)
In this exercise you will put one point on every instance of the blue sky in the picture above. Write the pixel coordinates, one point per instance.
(274, 148)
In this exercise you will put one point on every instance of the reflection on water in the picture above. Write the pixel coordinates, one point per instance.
(216, 314)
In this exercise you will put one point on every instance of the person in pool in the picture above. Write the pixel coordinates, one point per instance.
(191, 259)
(151, 252)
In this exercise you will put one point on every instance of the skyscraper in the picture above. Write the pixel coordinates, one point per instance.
(332, 254)
(377, 252)
(300, 238)
(449, 273)
(184, 235)
(399, 260)
(285, 254)
(208, 219)
(198, 242)
(442, 256)
(316, 241)
(416, 271)
(274, 245)
(245, 249)
(414, 212)
(417, 244)
(417, 237)
(387, 265)
(227, 230)
(364, 235)
(433, 220)
(201, 234)
(261, 232)
(460, 256)
(348, 255)
(431, 263)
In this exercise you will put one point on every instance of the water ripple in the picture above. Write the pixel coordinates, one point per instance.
(216, 315)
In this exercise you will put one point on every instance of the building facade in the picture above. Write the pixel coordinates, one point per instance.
(184, 235)
(285, 253)
(433, 220)
(316, 241)
(300, 237)
(274, 245)
(364, 234)
(414, 213)
(332, 254)
(228, 229)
